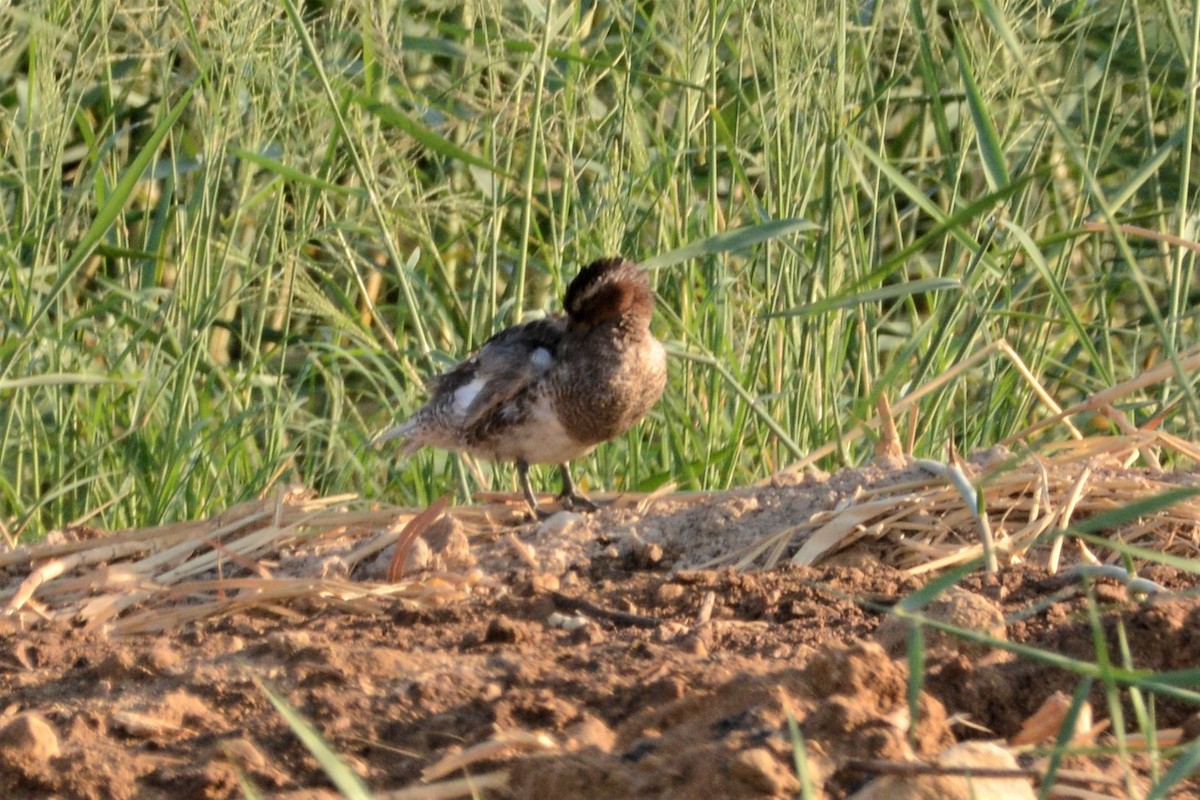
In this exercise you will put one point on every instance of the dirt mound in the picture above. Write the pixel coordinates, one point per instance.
(732, 739)
(584, 657)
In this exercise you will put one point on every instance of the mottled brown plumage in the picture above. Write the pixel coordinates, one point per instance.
(549, 391)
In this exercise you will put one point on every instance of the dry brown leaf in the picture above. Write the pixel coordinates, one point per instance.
(1047, 721)
(415, 527)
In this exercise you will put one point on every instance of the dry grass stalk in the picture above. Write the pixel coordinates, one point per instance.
(953, 473)
(1188, 364)
(471, 786)
(177, 573)
(931, 526)
(910, 400)
(353, 596)
(502, 745)
(154, 539)
(832, 533)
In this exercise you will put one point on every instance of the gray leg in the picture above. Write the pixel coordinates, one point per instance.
(527, 489)
(570, 497)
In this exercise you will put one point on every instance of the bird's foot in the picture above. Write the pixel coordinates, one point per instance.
(573, 501)
(534, 512)
(570, 498)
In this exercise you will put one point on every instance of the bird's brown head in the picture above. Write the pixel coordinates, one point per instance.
(610, 289)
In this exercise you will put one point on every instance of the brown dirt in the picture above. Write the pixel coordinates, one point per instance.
(594, 634)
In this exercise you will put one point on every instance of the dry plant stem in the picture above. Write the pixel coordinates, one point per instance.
(837, 529)
(1164, 370)
(259, 593)
(502, 744)
(1064, 517)
(1165, 737)
(1145, 233)
(1127, 427)
(154, 579)
(158, 537)
(1082, 776)
(644, 503)
(1023, 502)
(889, 440)
(393, 532)
(909, 401)
(41, 575)
(706, 608)
(618, 618)
(471, 786)
(916, 768)
(98, 597)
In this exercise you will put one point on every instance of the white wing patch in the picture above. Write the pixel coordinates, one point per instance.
(542, 359)
(466, 394)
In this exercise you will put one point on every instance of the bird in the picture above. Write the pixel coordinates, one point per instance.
(550, 390)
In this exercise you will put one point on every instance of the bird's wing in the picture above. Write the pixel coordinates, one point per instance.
(508, 363)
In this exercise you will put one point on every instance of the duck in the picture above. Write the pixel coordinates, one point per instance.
(549, 390)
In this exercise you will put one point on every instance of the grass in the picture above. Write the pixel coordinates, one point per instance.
(240, 237)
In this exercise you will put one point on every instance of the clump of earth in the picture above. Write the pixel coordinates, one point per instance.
(595, 657)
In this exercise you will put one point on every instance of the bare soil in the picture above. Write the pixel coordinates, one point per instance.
(599, 657)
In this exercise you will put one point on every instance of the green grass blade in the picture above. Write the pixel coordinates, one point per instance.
(915, 657)
(737, 388)
(291, 173)
(108, 213)
(416, 319)
(1066, 733)
(1143, 679)
(1149, 168)
(913, 192)
(800, 758)
(929, 75)
(1186, 764)
(62, 379)
(731, 241)
(434, 141)
(883, 293)
(1065, 307)
(349, 784)
(1134, 510)
(995, 168)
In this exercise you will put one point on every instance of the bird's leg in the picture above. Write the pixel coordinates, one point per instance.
(570, 497)
(527, 489)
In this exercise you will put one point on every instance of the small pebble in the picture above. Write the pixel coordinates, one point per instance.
(419, 556)
(544, 582)
(760, 770)
(694, 645)
(289, 642)
(501, 630)
(244, 753)
(30, 735)
(567, 623)
(668, 593)
(646, 556)
(592, 732)
(559, 522)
